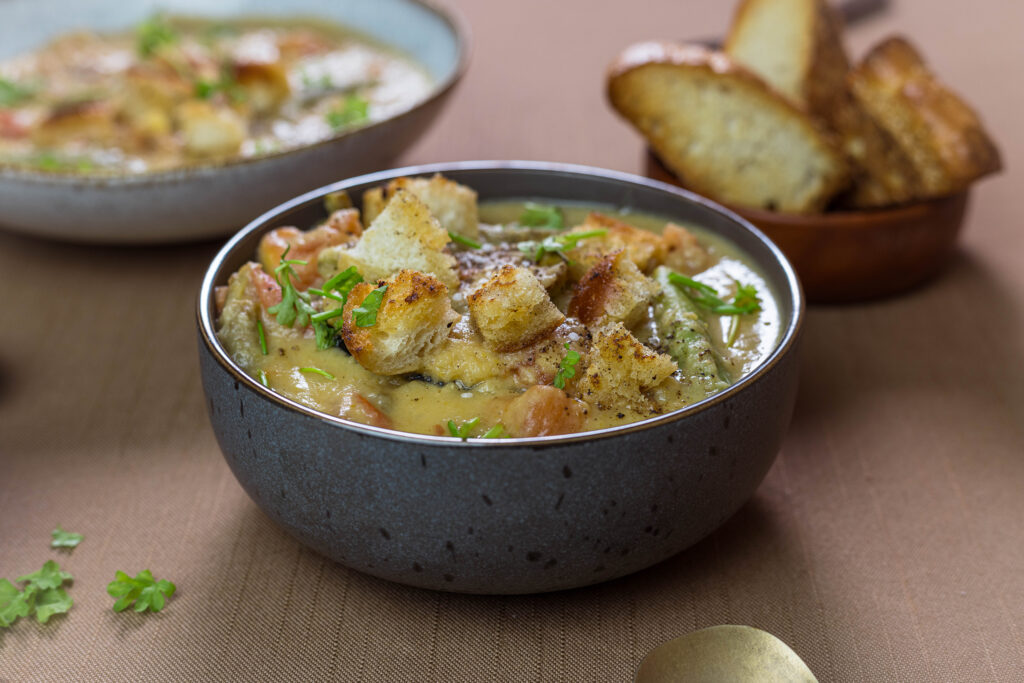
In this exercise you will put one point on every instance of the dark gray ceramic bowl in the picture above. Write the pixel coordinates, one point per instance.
(516, 515)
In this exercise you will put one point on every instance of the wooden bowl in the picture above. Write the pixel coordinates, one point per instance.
(847, 256)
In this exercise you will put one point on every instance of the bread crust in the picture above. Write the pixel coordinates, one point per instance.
(942, 136)
(830, 173)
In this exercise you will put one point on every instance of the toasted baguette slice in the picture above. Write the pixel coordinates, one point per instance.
(942, 136)
(723, 130)
(795, 46)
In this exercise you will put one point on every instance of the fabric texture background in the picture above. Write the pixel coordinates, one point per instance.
(884, 545)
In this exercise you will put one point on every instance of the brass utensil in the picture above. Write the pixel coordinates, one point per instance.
(720, 654)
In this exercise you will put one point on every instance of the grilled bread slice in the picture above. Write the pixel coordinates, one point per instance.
(796, 47)
(940, 134)
(725, 132)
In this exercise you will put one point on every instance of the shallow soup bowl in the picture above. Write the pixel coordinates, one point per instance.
(508, 515)
(213, 198)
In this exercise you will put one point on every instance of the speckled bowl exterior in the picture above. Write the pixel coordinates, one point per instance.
(516, 515)
(215, 199)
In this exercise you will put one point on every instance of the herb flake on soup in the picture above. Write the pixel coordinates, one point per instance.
(427, 313)
(175, 92)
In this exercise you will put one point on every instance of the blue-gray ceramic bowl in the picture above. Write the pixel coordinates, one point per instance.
(217, 198)
(516, 515)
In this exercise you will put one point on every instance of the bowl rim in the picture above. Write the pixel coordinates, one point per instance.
(448, 13)
(785, 344)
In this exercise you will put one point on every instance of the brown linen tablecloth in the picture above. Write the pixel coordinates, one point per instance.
(887, 543)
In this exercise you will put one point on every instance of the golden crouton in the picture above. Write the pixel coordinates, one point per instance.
(91, 121)
(512, 309)
(413, 319)
(265, 85)
(467, 360)
(644, 248)
(683, 253)
(613, 290)
(403, 235)
(209, 131)
(619, 370)
(452, 204)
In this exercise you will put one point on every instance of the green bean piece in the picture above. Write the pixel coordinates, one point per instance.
(686, 336)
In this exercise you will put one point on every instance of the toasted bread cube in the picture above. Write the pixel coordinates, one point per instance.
(613, 290)
(513, 309)
(683, 252)
(414, 318)
(265, 85)
(942, 136)
(91, 121)
(453, 205)
(620, 369)
(643, 247)
(404, 235)
(209, 131)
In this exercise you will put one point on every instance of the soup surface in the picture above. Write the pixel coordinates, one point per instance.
(503, 319)
(175, 92)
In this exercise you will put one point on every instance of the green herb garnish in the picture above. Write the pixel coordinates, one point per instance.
(464, 241)
(226, 84)
(541, 216)
(263, 336)
(462, 431)
(744, 301)
(567, 368)
(294, 306)
(318, 371)
(153, 34)
(64, 539)
(495, 432)
(12, 93)
(337, 289)
(558, 244)
(263, 379)
(49, 161)
(365, 314)
(143, 590)
(352, 111)
(42, 594)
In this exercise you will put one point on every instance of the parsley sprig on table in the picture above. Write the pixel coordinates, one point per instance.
(143, 590)
(64, 539)
(567, 368)
(41, 595)
(536, 215)
(558, 244)
(463, 241)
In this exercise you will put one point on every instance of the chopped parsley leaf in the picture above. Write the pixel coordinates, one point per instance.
(143, 590)
(558, 244)
(567, 368)
(744, 301)
(318, 371)
(153, 34)
(64, 539)
(463, 241)
(353, 111)
(365, 314)
(541, 216)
